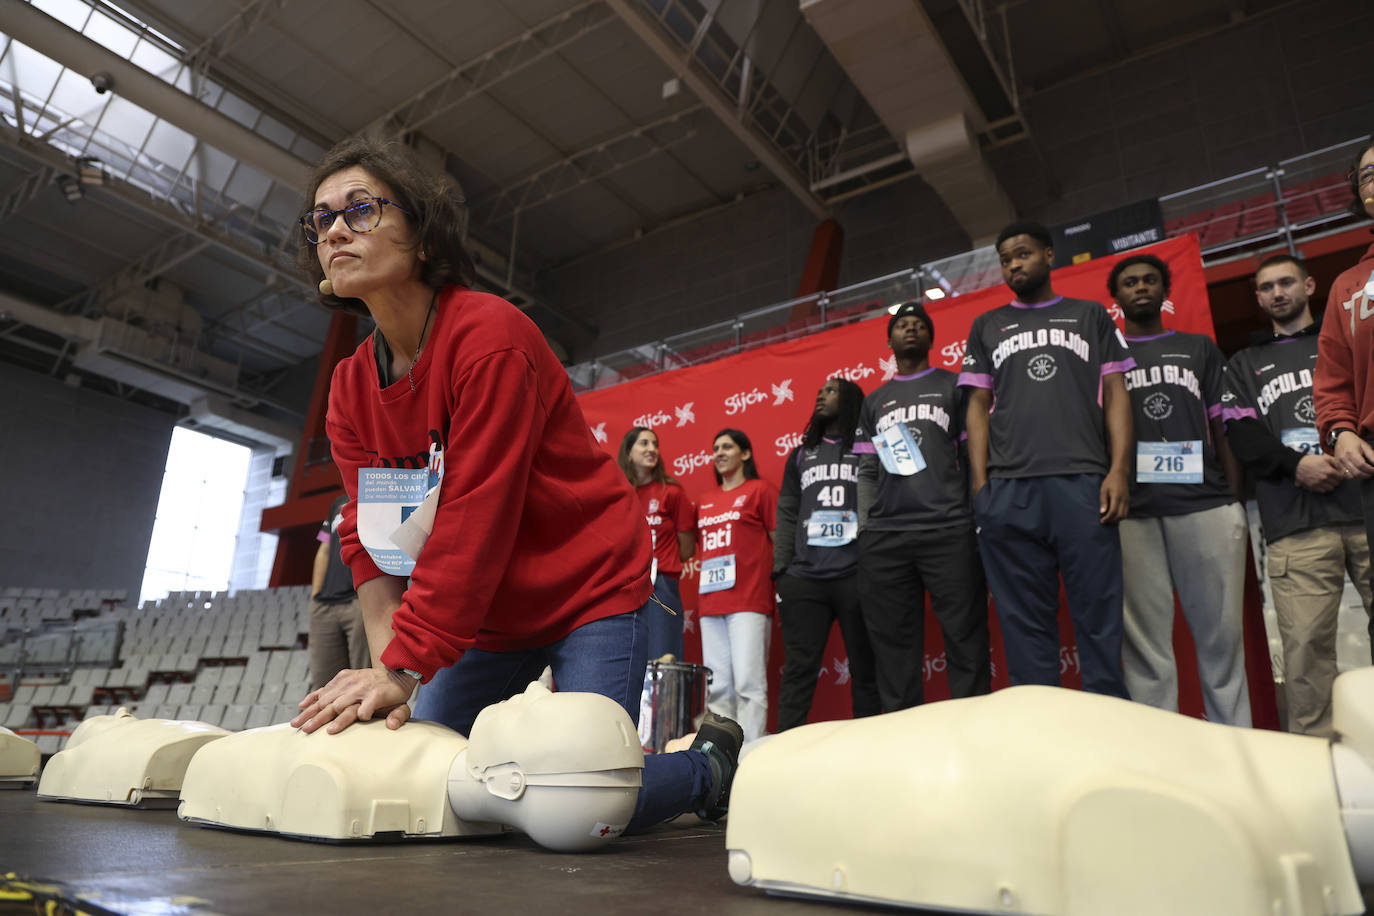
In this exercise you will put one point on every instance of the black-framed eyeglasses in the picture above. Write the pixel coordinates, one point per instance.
(362, 215)
(1361, 177)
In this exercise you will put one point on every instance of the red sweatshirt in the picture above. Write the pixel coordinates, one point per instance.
(1343, 390)
(537, 531)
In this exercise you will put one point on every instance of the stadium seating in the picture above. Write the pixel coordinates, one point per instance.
(233, 660)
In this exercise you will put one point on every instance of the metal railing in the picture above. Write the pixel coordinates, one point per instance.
(1284, 203)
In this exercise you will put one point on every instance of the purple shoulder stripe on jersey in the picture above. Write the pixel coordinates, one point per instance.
(1239, 413)
(1125, 365)
(322, 537)
(1130, 339)
(1018, 304)
(975, 380)
(963, 436)
(1214, 411)
(864, 448)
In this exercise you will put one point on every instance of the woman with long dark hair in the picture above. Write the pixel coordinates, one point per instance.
(487, 533)
(735, 522)
(672, 527)
(816, 556)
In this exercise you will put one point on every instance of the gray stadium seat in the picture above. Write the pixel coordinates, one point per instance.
(212, 713)
(260, 716)
(179, 694)
(202, 694)
(234, 718)
(19, 716)
(156, 695)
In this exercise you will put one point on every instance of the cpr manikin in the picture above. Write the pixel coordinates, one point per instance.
(1048, 801)
(19, 759)
(119, 759)
(563, 767)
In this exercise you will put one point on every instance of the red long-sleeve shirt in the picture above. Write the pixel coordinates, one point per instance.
(537, 531)
(1343, 390)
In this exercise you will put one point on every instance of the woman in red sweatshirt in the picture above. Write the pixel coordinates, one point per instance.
(672, 526)
(487, 533)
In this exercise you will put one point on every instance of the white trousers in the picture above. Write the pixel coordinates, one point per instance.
(735, 648)
(1200, 555)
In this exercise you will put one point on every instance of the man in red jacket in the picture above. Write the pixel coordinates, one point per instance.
(1344, 385)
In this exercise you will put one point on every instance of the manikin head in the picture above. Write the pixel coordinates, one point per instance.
(563, 767)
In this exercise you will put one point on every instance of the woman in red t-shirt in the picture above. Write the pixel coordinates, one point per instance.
(672, 523)
(735, 522)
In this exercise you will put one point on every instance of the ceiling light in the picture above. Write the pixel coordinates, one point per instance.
(934, 293)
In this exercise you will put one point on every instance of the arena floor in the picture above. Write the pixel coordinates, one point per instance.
(148, 862)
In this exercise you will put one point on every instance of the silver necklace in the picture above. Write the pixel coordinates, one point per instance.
(410, 370)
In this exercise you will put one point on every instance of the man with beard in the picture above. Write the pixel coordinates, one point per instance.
(1186, 531)
(1047, 493)
(1309, 510)
(916, 527)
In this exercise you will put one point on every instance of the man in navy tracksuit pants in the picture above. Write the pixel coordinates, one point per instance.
(1050, 465)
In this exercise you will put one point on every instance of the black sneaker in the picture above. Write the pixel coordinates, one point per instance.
(720, 739)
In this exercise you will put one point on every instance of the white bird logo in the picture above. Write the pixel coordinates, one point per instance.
(889, 367)
(782, 392)
(599, 431)
(841, 671)
(689, 624)
(684, 414)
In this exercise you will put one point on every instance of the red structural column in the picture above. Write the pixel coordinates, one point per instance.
(314, 484)
(822, 269)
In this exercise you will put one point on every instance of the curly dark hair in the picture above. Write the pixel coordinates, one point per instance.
(1149, 259)
(435, 204)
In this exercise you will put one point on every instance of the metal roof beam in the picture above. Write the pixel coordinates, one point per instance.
(141, 200)
(481, 73)
(152, 263)
(722, 106)
(591, 164)
(25, 190)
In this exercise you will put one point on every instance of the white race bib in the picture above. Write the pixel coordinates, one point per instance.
(832, 527)
(717, 574)
(1169, 462)
(898, 451)
(1302, 439)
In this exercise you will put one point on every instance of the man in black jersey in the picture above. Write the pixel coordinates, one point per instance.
(1310, 512)
(1186, 531)
(916, 524)
(816, 557)
(1047, 491)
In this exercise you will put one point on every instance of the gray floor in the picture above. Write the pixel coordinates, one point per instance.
(148, 862)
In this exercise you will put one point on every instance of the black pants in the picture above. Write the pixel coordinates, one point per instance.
(1367, 504)
(896, 569)
(808, 608)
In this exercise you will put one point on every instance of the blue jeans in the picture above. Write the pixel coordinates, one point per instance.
(606, 656)
(665, 630)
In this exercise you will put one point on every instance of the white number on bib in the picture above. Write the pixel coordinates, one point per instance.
(1302, 439)
(831, 528)
(898, 451)
(1169, 462)
(717, 574)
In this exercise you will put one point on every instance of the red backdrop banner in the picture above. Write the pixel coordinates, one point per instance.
(769, 393)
